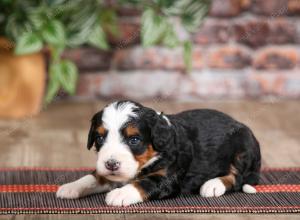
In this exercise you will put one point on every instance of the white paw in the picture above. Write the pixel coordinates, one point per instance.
(69, 191)
(213, 187)
(248, 189)
(123, 196)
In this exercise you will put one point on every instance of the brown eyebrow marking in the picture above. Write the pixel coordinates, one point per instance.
(131, 130)
(146, 156)
(101, 130)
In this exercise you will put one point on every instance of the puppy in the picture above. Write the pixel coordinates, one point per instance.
(146, 155)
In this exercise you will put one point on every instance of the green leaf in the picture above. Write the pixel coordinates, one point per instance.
(187, 55)
(56, 52)
(191, 12)
(61, 74)
(164, 3)
(6, 1)
(97, 38)
(54, 33)
(28, 43)
(134, 2)
(109, 22)
(17, 27)
(68, 76)
(194, 13)
(53, 85)
(79, 30)
(153, 28)
(36, 20)
(37, 17)
(170, 38)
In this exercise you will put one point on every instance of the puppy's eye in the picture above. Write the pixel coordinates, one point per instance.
(100, 140)
(134, 140)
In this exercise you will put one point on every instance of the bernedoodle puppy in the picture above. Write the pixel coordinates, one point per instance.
(146, 155)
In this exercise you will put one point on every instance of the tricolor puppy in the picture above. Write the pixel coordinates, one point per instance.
(145, 155)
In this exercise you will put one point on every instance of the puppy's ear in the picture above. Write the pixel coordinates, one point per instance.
(97, 118)
(161, 131)
(91, 136)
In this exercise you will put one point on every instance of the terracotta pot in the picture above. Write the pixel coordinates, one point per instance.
(22, 82)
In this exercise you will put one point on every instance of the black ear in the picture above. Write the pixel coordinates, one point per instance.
(91, 136)
(162, 135)
(96, 120)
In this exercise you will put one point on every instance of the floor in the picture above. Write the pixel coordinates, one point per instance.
(57, 138)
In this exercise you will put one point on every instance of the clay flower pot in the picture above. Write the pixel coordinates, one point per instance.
(22, 82)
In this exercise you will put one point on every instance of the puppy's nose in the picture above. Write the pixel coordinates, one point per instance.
(112, 165)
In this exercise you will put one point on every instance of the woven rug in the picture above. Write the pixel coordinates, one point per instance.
(32, 191)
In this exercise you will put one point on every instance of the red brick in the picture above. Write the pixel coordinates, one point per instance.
(153, 58)
(131, 84)
(282, 31)
(261, 84)
(214, 84)
(276, 58)
(270, 7)
(246, 4)
(85, 85)
(129, 33)
(294, 6)
(297, 35)
(252, 32)
(255, 32)
(229, 57)
(226, 8)
(276, 8)
(88, 59)
(280, 84)
(291, 88)
(212, 31)
(197, 58)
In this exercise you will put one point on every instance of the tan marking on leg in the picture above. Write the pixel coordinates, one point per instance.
(141, 190)
(161, 172)
(229, 180)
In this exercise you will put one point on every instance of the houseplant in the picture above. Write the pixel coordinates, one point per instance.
(54, 25)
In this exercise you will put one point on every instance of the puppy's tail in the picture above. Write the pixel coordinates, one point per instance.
(248, 189)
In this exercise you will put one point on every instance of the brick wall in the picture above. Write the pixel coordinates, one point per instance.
(244, 49)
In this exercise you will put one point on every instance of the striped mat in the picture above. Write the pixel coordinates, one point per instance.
(32, 191)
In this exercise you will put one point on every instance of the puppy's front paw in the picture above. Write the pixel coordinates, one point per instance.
(68, 191)
(123, 196)
(213, 187)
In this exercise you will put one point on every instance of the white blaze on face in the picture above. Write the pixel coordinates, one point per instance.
(113, 118)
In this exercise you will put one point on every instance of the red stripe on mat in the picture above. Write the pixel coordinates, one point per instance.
(28, 188)
(6, 169)
(278, 188)
(53, 188)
